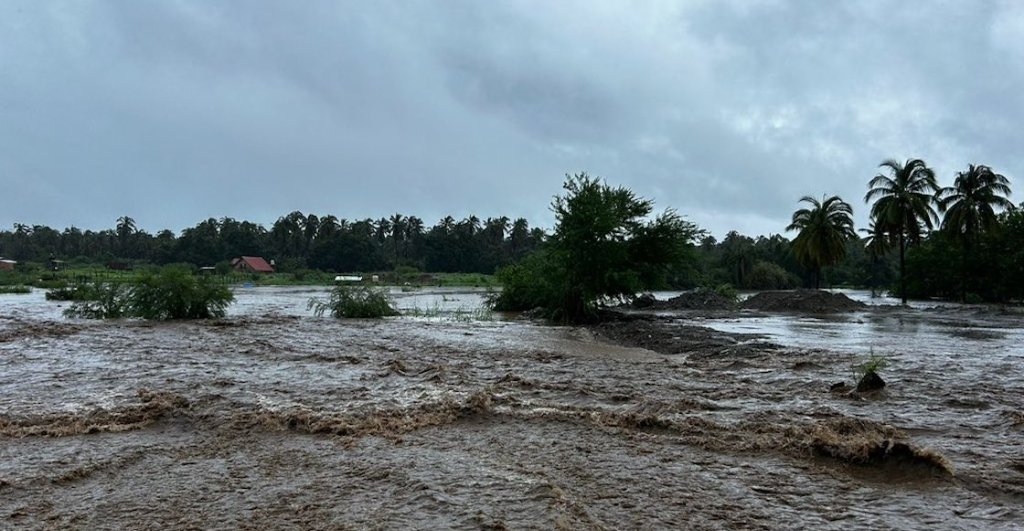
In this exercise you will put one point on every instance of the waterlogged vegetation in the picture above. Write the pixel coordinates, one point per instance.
(172, 293)
(355, 302)
(467, 314)
(15, 290)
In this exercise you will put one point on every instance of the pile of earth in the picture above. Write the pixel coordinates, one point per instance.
(672, 336)
(702, 299)
(805, 301)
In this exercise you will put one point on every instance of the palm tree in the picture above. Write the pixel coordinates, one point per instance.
(446, 225)
(876, 243)
(824, 230)
(125, 228)
(903, 205)
(969, 204)
(969, 208)
(517, 238)
(383, 227)
(738, 256)
(329, 226)
(397, 232)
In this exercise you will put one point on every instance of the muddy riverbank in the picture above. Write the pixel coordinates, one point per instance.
(271, 418)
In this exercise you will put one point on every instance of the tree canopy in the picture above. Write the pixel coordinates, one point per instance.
(604, 246)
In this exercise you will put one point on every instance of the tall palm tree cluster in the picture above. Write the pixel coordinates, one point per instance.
(907, 201)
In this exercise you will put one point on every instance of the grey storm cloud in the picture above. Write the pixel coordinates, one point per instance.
(173, 112)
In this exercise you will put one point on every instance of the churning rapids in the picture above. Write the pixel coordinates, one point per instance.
(274, 419)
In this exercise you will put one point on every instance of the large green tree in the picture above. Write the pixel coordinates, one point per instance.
(824, 228)
(904, 205)
(604, 246)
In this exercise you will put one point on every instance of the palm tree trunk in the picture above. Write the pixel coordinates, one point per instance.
(874, 275)
(963, 269)
(903, 268)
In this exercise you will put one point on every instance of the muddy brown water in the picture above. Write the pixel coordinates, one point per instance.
(272, 418)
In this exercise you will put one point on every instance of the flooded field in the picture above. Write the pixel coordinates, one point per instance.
(272, 418)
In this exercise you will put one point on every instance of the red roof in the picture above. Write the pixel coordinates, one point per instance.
(254, 263)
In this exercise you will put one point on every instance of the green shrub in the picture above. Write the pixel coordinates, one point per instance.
(106, 301)
(172, 293)
(526, 285)
(178, 294)
(355, 302)
(728, 292)
(15, 290)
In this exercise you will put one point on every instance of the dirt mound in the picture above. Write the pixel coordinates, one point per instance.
(805, 301)
(672, 337)
(702, 299)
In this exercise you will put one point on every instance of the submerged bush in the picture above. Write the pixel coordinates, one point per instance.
(172, 293)
(355, 302)
(177, 294)
(104, 301)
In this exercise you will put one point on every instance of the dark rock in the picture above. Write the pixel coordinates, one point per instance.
(871, 381)
(840, 387)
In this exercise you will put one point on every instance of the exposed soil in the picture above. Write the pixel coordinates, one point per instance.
(802, 301)
(669, 335)
(691, 300)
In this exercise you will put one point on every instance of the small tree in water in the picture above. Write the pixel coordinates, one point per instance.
(603, 247)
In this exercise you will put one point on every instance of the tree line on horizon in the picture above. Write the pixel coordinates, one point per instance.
(975, 251)
(295, 241)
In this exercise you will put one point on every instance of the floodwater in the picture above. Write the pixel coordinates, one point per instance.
(272, 418)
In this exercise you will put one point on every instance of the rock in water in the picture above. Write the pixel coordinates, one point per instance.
(870, 382)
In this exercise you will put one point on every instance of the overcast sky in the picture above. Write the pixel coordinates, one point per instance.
(176, 111)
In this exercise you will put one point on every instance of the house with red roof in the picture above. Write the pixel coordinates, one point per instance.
(252, 264)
